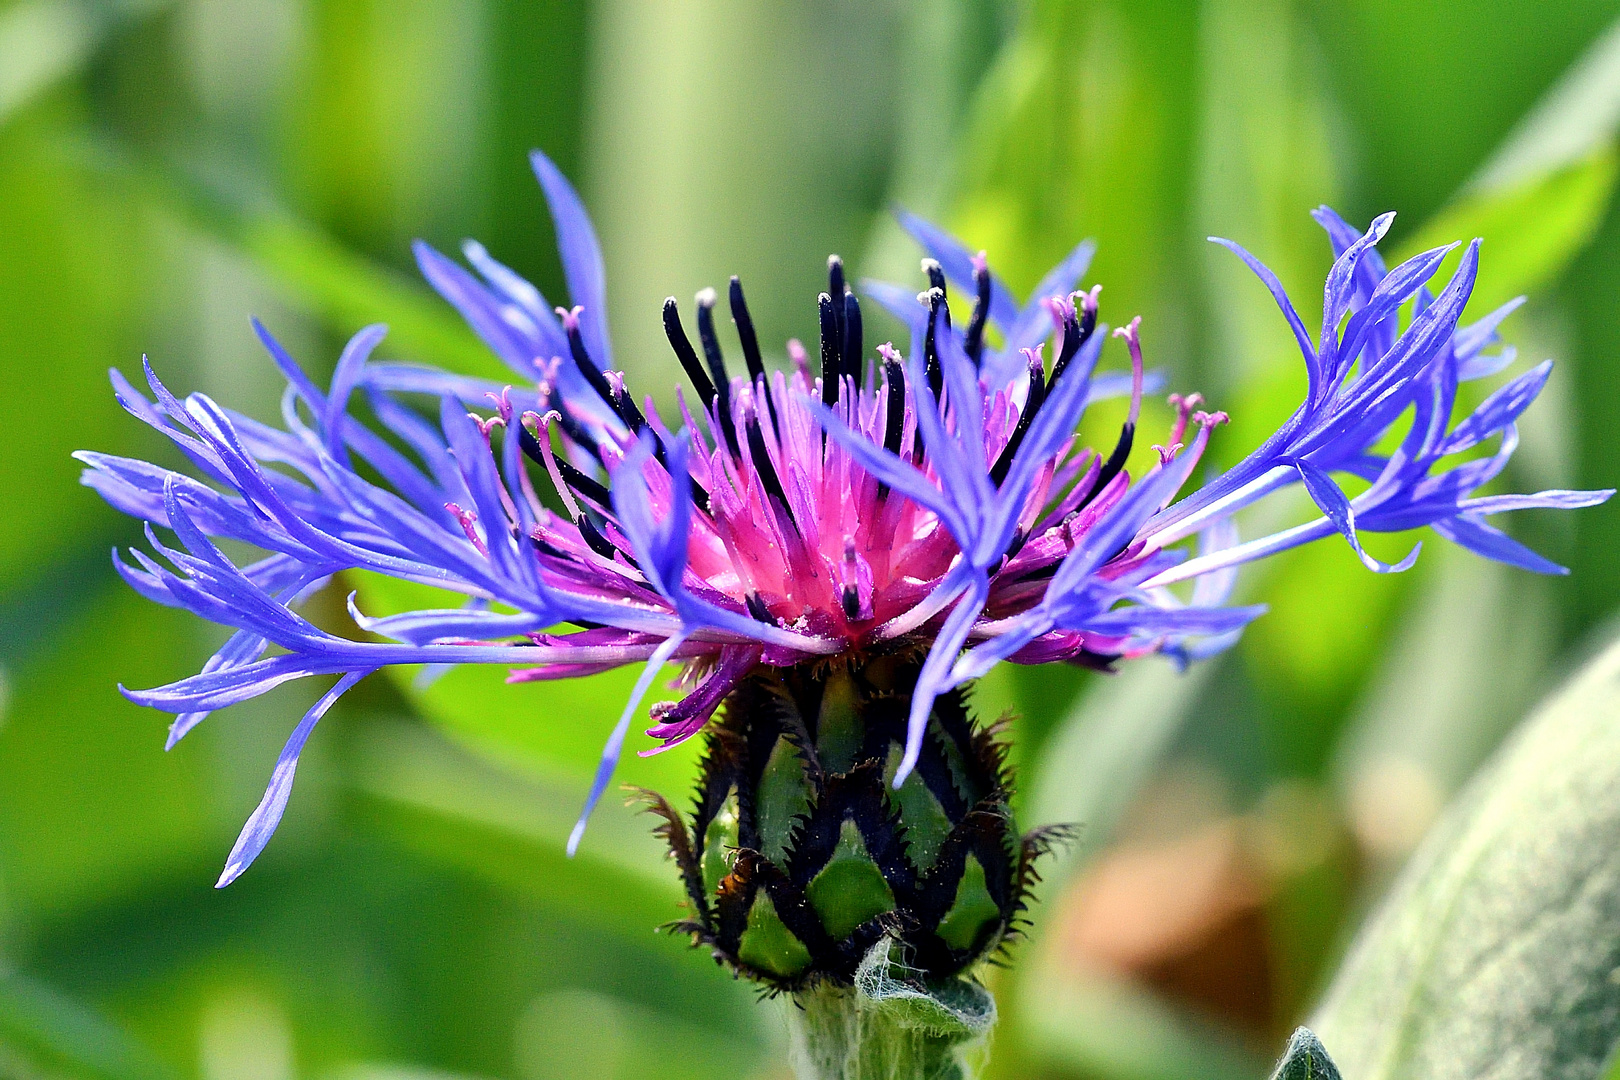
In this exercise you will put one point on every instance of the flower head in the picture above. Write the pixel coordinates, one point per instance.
(937, 500)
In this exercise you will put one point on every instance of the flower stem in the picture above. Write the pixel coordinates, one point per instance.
(883, 1029)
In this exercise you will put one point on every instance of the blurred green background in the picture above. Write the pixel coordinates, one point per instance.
(169, 168)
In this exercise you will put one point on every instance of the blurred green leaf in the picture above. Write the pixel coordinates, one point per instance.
(45, 1034)
(347, 291)
(342, 287)
(1532, 228)
(372, 1071)
(89, 803)
(621, 875)
(1108, 746)
(1426, 91)
(71, 255)
(1082, 127)
(581, 1035)
(1579, 115)
(39, 43)
(42, 41)
(552, 730)
(1094, 1024)
(1494, 955)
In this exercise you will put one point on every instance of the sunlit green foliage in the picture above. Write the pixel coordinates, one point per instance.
(169, 168)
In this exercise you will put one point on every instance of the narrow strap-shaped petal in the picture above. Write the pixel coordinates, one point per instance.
(1141, 620)
(243, 647)
(1500, 409)
(1060, 414)
(897, 300)
(581, 257)
(1555, 499)
(262, 824)
(615, 741)
(935, 677)
(1331, 501)
(1340, 287)
(1307, 348)
(522, 293)
(965, 397)
(1494, 544)
(290, 368)
(957, 262)
(1341, 234)
(1392, 291)
(345, 377)
(428, 625)
(1474, 337)
(1033, 324)
(981, 659)
(1484, 365)
(483, 480)
(480, 308)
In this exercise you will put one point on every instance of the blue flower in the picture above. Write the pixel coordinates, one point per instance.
(938, 499)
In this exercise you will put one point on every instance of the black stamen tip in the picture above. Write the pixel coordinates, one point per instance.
(717, 367)
(853, 345)
(936, 374)
(894, 419)
(974, 342)
(745, 330)
(587, 367)
(835, 276)
(685, 353)
(1115, 463)
(831, 349)
(756, 608)
(750, 346)
(593, 537)
(1075, 334)
(711, 342)
(625, 402)
(936, 274)
(1032, 405)
(851, 603)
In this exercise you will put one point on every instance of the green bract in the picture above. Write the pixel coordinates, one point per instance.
(800, 855)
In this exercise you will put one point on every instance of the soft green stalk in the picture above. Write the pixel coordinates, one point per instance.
(885, 1029)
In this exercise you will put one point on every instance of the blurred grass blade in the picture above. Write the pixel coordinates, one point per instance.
(1090, 1023)
(410, 766)
(1532, 227)
(1495, 952)
(347, 290)
(510, 827)
(1541, 196)
(341, 287)
(42, 41)
(1450, 685)
(39, 43)
(43, 1033)
(1094, 763)
(1580, 113)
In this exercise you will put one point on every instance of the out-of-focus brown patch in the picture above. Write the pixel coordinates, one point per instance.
(1185, 916)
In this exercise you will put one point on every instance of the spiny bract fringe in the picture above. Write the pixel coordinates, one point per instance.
(799, 855)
